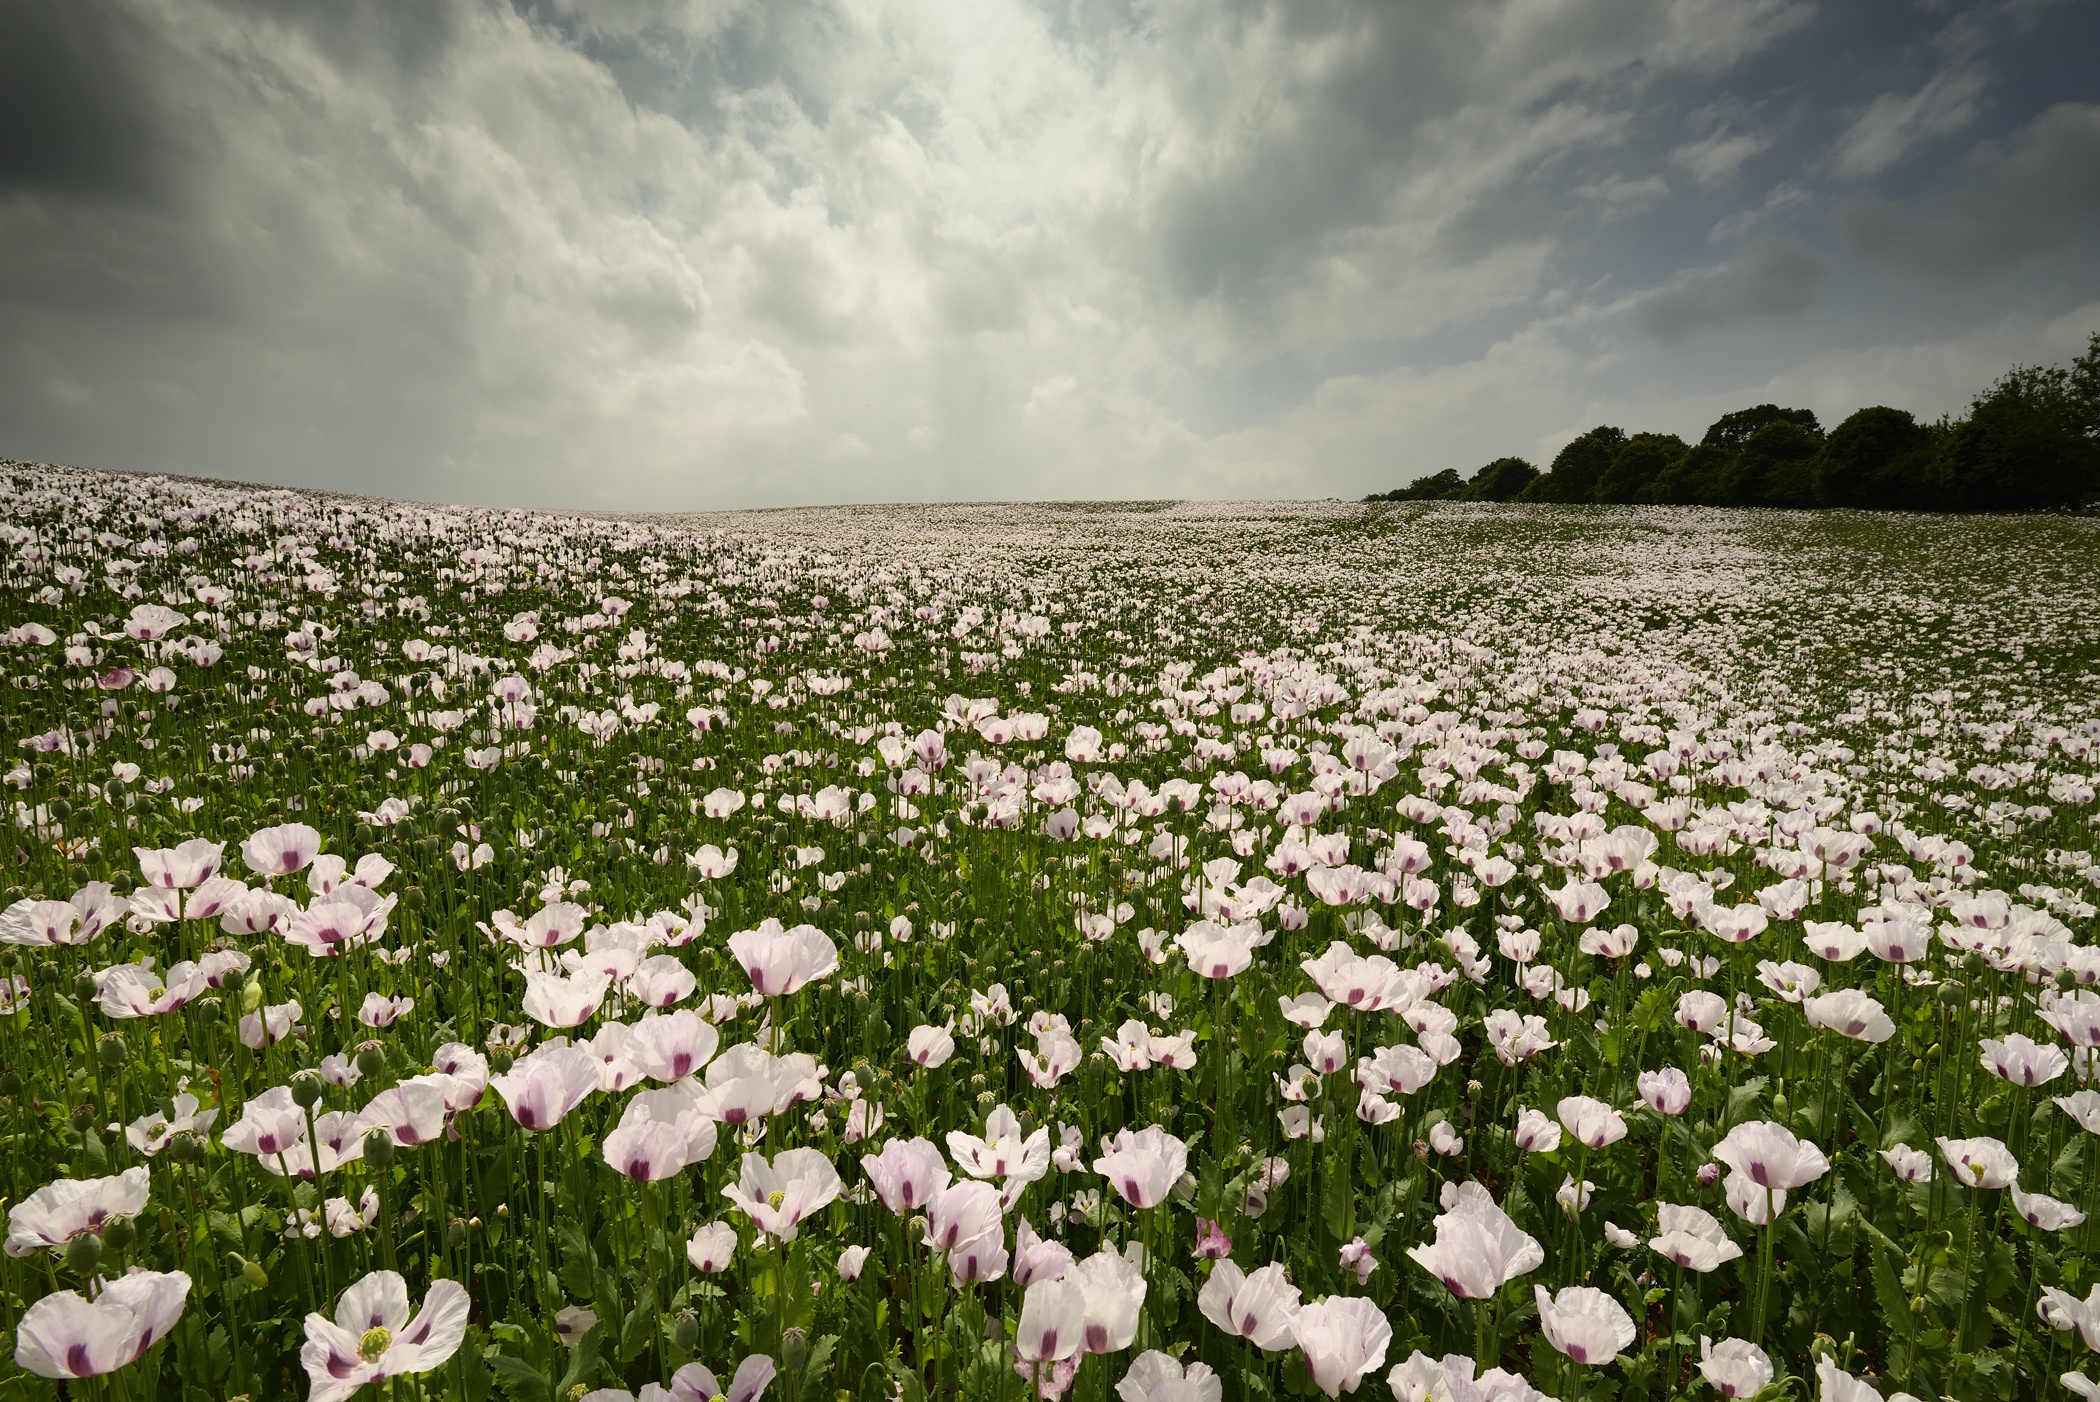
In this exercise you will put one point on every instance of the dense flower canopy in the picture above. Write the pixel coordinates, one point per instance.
(1183, 951)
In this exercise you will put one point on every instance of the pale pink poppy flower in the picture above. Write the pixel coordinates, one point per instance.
(413, 1112)
(906, 1174)
(1691, 1237)
(712, 1248)
(1583, 1323)
(1593, 1123)
(2023, 1061)
(57, 1212)
(1036, 1259)
(270, 1025)
(2060, 1309)
(1114, 1294)
(660, 981)
(1143, 1165)
(1478, 1247)
(542, 1087)
(1160, 1377)
(1770, 1156)
(981, 1258)
(281, 850)
(555, 1001)
(1342, 1339)
(2044, 1213)
(778, 1194)
(1051, 1331)
(961, 1212)
(1535, 1133)
(1850, 1012)
(1667, 1091)
(372, 1337)
(1257, 1306)
(781, 961)
(1735, 1368)
(183, 866)
(64, 1335)
(672, 1046)
(1982, 1162)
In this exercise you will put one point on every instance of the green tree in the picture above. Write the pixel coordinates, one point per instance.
(1876, 459)
(2085, 387)
(1436, 487)
(1635, 465)
(1500, 480)
(1702, 475)
(1732, 431)
(1577, 468)
(1776, 466)
(2023, 447)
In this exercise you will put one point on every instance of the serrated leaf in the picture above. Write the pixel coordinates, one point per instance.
(819, 1360)
(583, 1359)
(518, 1379)
(1888, 1291)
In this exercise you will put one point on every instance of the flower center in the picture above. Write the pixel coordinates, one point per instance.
(373, 1343)
(775, 1198)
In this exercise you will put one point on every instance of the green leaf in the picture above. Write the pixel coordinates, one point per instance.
(819, 1360)
(579, 1263)
(518, 1379)
(636, 1333)
(1888, 1291)
(1338, 1207)
(583, 1359)
(1742, 1099)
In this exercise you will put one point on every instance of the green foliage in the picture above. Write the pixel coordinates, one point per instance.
(2030, 442)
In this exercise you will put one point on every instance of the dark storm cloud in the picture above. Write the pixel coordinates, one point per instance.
(80, 114)
(2006, 203)
(1773, 279)
(724, 252)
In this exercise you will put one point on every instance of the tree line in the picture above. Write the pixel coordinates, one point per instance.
(2029, 442)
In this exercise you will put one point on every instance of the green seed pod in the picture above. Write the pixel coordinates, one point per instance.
(379, 1148)
(794, 1348)
(85, 988)
(371, 1062)
(83, 1254)
(686, 1331)
(10, 1083)
(82, 1117)
(110, 1047)
(306, 1090)
(119, 1233)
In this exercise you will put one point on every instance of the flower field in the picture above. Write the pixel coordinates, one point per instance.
(1179, 953)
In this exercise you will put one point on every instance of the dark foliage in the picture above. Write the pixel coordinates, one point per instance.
(2031, 442)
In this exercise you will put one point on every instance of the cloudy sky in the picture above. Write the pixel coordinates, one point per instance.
(708, 253)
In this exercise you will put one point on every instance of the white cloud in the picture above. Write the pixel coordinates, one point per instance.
(1718, 157)
(1895, 122)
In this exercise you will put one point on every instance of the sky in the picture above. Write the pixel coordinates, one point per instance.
(691, 254)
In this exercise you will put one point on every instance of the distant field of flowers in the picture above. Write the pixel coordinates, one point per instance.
(1169, 952)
